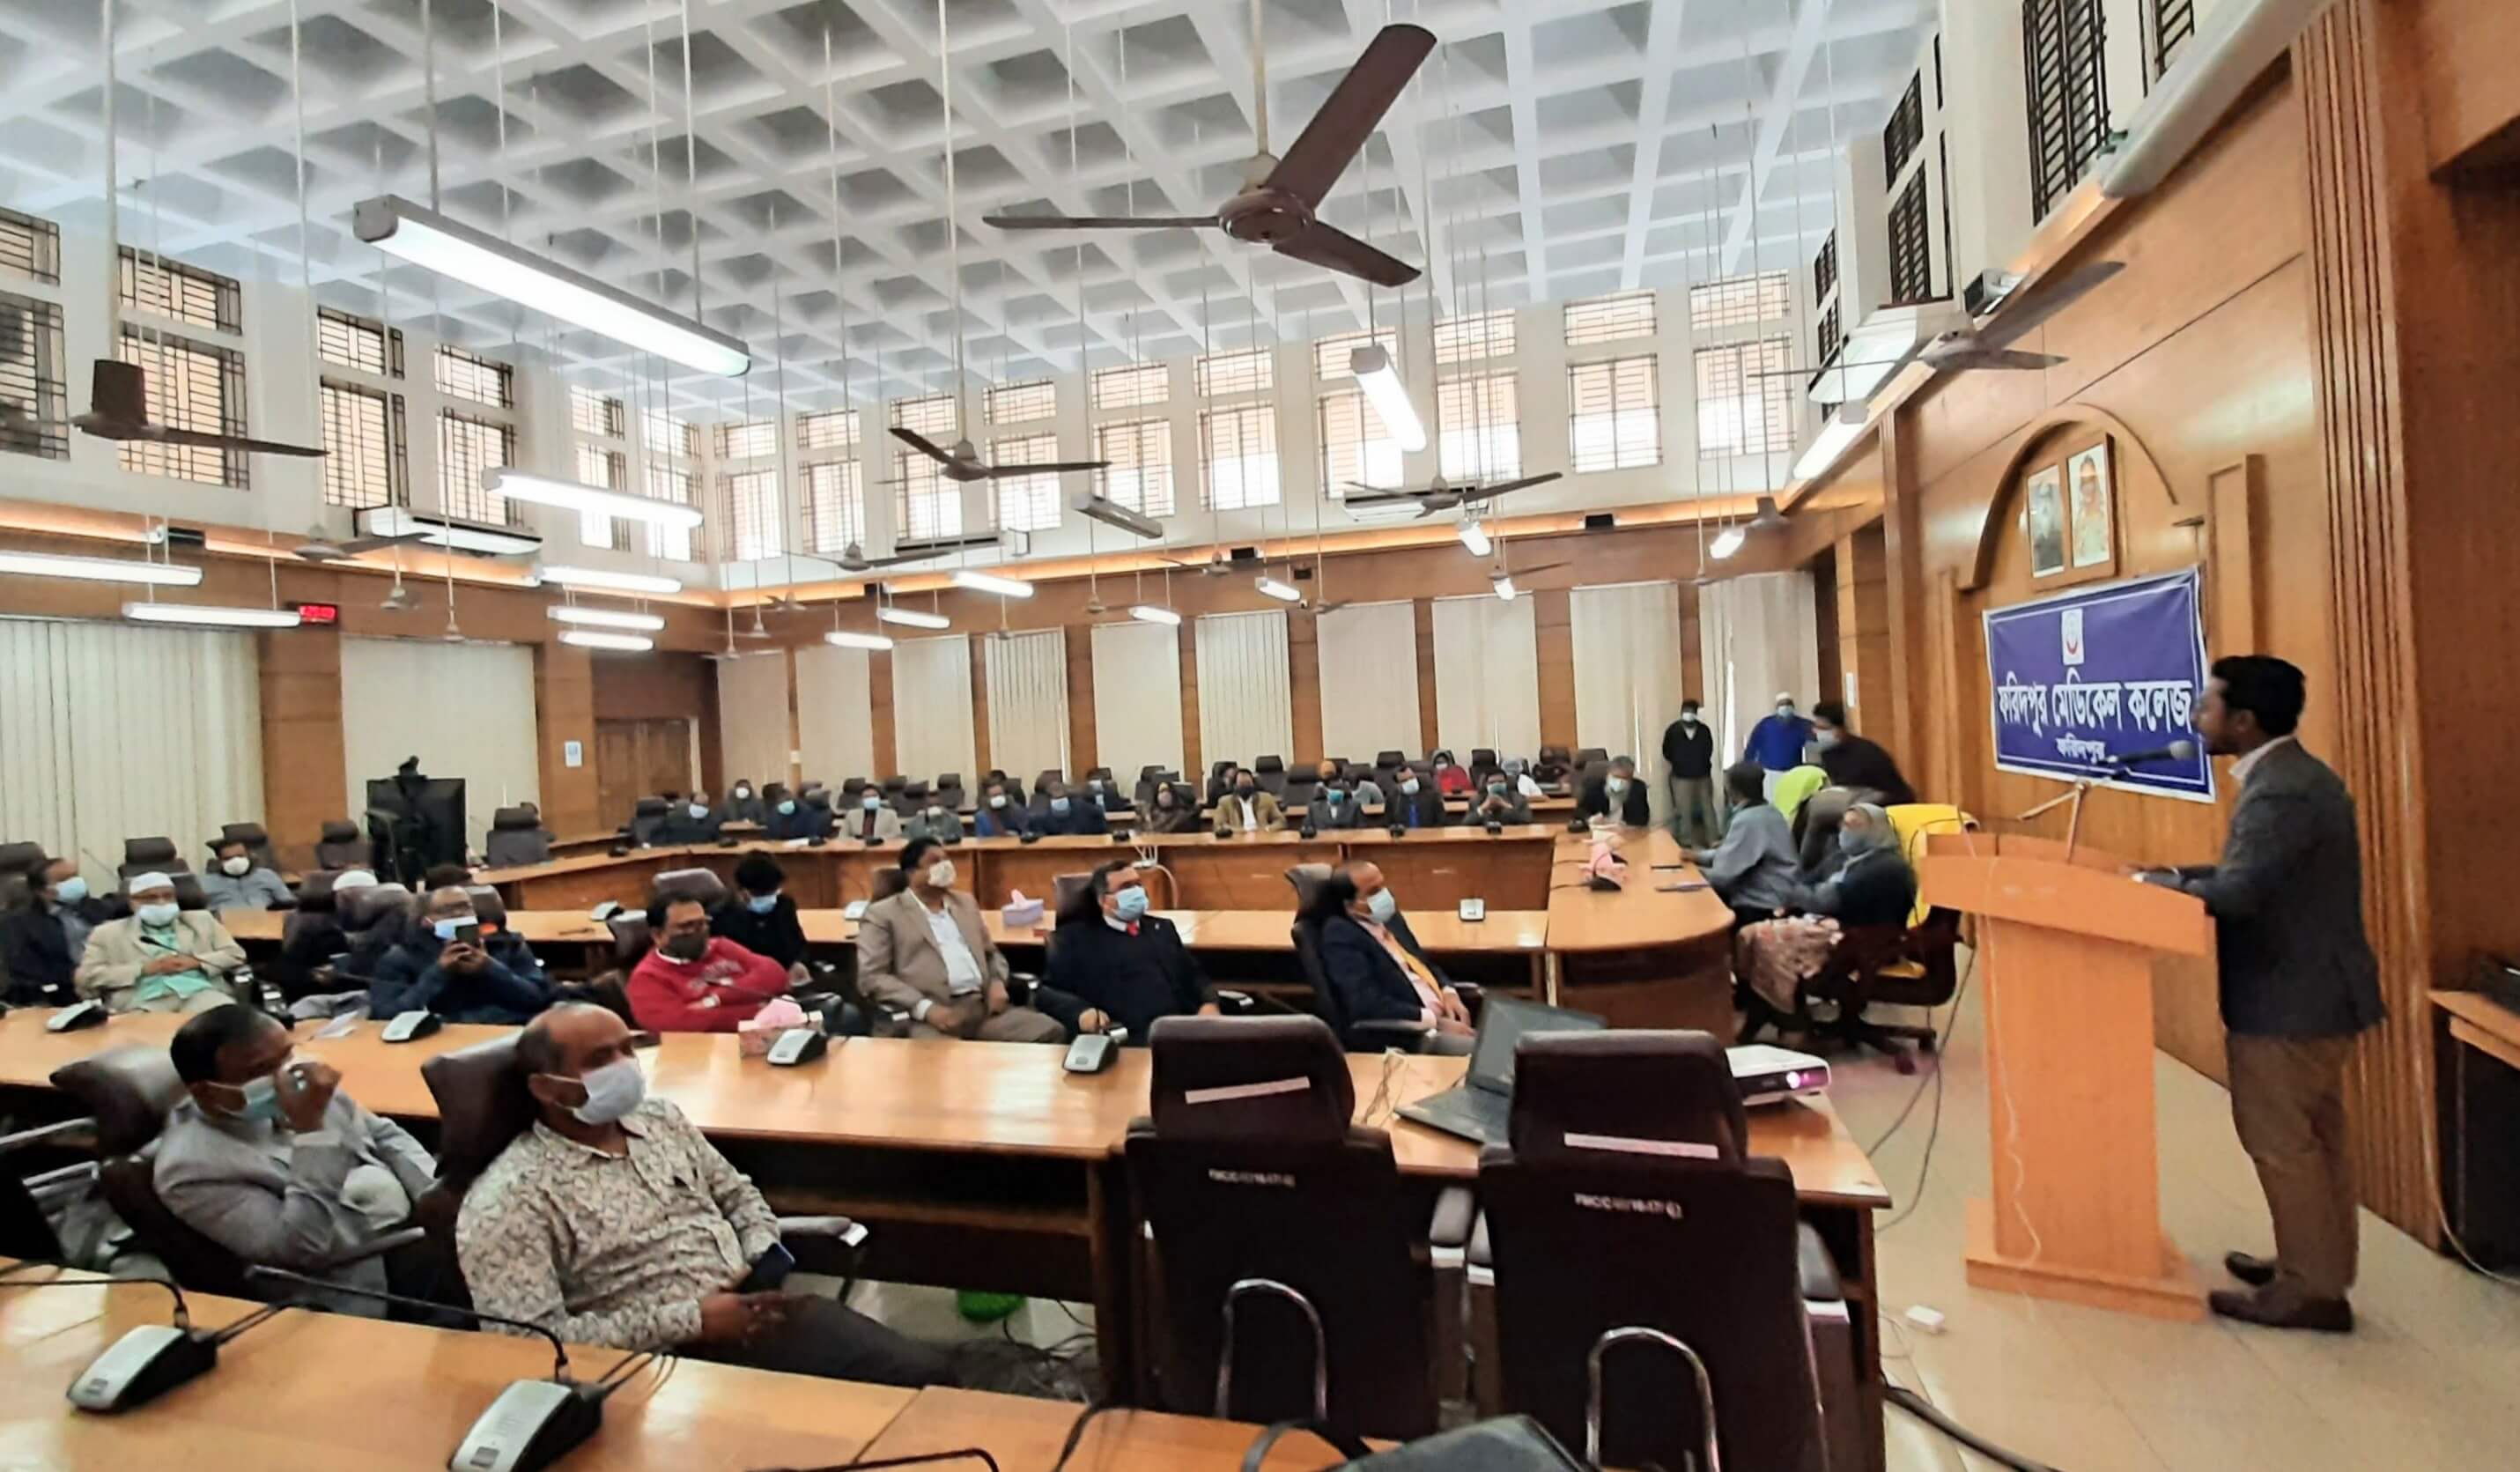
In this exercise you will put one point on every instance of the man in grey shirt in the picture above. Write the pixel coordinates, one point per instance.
(234, 883)
(1754, 868)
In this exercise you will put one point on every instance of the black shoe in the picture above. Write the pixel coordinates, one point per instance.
(2328, 1316)
(2256, 1271)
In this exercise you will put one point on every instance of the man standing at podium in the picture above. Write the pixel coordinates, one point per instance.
(2298, 982)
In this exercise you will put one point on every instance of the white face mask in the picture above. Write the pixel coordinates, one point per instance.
(742, 793)
(940, 875)
(698, 810)
(997, 799)
(1689, 718)
(611, 1092)
(236, 868)
(156, 917)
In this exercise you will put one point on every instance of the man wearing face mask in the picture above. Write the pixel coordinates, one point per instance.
(162, 959)
(1337, 803)
(743, 805)
(234, 883)
(690, 981)
(1169, 810)
(1501, 800)
(1000, 816)
(1245, 808)
(871, 818)
(1616, 795)
(926, 953)
(448, 965)
(1417, 803)
(1852, 761)
(1070, 814)
(269, 1159)
(1688, 762)
(690, 819)
(613, 1222)
(1118, 966)
(937, 820)
(1776, 742)
(760, 917)
(42, 942)
(1374, 964)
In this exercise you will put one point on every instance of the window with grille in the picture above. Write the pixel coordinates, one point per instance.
(753, 514)
(467, 447)
(475, 378)
(1022, 403)
(926, 504)
(831, 430)
(187, 294)
(365, 461)
(753, 439)
(1610, 319)
(1831, 336)
(1332, 356)
(190, 385)
(1825, 269)
(1482, 419)
(610, 470)
(1744, 407)
(668, 483)
(29, 247)
(1912, 258)
(34, 410)
(834, 507)
(1355, 446)
(1140, 474)
(1904, 130)
(1480, 334)
(358, 343)
(1739, 301)
(665, 434)
(1614, 415)
(597, 414)
(1238, 457)
(1251, 370)
(1137, 386)
(2174, 25)
(1026, 503)
(2066, 84)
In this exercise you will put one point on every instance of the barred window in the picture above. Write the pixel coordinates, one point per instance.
(1480, 334)
(1136, 385)
(1251, 370)
(1832, 338)
(1615, 414)
(1332, 356)
(1825, 269)
(753, 439)
(1026, 503)
(1739, 301)
(1139, 473)
(926, 504)
(668, 483)
(2065, 75)
(598, 414)
(1238, 457)
(2174, 25)
(467, 447)
(609, 469)
(831, 430)
(476, 378)
(1022, 403)
(1742, 407)
(834, 507)
(190, 385)
(34, 408)
(1911, 257)
(1610, 319)
(358, 343)
(187, 294)
(1356, 447)
(665, 434)
(29, 247)
(1482, 439)
(1904, 130)
(364, 459)
(753, 512)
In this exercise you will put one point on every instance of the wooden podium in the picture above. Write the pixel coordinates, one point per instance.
(2066, 947)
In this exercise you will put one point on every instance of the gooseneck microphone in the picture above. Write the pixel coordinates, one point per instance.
(560, 1351)
(146, 1361)
(2177, 751)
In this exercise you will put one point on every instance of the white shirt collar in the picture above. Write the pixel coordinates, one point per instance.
(2241, 769)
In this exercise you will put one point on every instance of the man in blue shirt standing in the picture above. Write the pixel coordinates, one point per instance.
(1776, 742)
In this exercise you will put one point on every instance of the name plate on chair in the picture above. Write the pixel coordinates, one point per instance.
(1688, 1150)
(1228, 1093)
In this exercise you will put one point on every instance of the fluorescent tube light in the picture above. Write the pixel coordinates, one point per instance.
(1504, 587)
(605, 618)
(454, 536)
(212, 615)
(424, 238)
(588, 500)
(848, 638)
(588, 638)
(48, 564)
(608, 580)
(1284, 593)
(1153, 614)
(912, 618)
(990, 582)
(1726, 542)
(1388, 396)
(1475, 538)
(1837, 433)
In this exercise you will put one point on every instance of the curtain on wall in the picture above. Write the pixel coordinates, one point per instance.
(1486, 676)
(835, 723)
(752, 716)
(1757, 635)
(1027, 703)
(1626, 672)
(1368, 660)
(1245, 707)
(110, 731)
(931, 706)
(1137, 699)
(465, 709)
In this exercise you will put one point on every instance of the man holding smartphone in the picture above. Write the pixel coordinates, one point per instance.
(450, 965)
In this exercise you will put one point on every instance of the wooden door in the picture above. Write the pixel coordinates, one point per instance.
(634, 759)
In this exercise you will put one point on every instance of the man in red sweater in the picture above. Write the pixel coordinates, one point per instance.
(696, 982)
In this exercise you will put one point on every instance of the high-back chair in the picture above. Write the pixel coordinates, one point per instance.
(483, 1105)
(1589, 757)
(1387, 767)
(1281, 1232)
(1552, 766)
(22, 869)
(1483, 763)
(516, 837)
(129, 1091)
(141, 856)
(1270, 772)
(1356, 1037)
(647, 820)
(949, 791)
(914, 796)
(1647, 1267)
(340, 845)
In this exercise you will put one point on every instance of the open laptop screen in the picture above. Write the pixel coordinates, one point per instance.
(1502, 1025)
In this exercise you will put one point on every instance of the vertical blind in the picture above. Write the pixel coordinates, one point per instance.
(1246, 708)
(932, 707)
(1487, 680)
(834, 724)
(110, 731)
(752, 716)
(1756, 636)
(465, 710)
(1627, 671)
(1137, 697)
(1027, 676)
(1368, 660)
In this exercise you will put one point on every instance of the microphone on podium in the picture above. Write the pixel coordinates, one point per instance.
(2177, 751)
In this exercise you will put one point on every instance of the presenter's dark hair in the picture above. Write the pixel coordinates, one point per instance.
(2266, 688)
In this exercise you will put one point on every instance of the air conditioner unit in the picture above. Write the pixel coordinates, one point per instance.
(944, 547)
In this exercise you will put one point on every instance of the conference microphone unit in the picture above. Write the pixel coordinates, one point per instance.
(532, 1423)
(149, 1361)
(2176, 751)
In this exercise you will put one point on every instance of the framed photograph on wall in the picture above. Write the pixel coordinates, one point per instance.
(2044, 516)
(2090, 494)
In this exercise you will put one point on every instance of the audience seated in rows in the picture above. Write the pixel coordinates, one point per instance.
(492, 978)
(1102, 794)
(160, 958)
(1374, 962)
(1066, 813)
(43, 941)
(760, 916)
(235, 882)
(692, 981)
(1616, 795)
(1499, 801)
(1114, 964)
(925, 952)
(940, 821)
(794, 815)
(689, 821)
(1246, 809)
(1754, 868)
(870, 819)
(742, 804)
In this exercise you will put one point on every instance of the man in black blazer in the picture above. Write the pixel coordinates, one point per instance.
(1376, 965)
(2298, 982)
(1116, 964)
(1415, 802)
(1854, 761)
(1617, 792)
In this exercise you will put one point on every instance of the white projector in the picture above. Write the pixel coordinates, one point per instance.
(1768, 1075)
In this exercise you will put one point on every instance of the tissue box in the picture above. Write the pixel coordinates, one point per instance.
(754, 1035)
(1021, 912)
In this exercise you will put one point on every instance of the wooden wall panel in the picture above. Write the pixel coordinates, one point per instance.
(1423, 610)
(1304, 687)
(1193, 764)
(1080, 703)
(564, 712)
(980, 718)
(887, 744)
(1554, 630)
(2465, 55)
(302, 756)
(1825, 630)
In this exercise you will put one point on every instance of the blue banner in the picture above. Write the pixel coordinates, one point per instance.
(2101, 671)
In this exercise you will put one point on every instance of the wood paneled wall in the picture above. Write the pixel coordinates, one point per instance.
(564, 712)
(302, 755)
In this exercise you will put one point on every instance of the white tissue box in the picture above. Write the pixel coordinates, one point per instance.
(1020, 912)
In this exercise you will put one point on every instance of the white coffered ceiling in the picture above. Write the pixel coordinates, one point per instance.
(1563, 148)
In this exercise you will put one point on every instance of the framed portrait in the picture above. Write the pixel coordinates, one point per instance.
(2044, 516)
(2091, 496)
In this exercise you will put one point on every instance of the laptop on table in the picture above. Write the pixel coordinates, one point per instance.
(1477, 1108)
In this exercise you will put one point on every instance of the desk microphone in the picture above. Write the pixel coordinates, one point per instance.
(532, 1424)
(2177, 751)
(149, 1361)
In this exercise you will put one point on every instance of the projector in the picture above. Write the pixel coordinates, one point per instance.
(1112, 513)
(1768, 1075)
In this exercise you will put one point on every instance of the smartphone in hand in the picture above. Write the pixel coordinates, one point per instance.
(769, 1271)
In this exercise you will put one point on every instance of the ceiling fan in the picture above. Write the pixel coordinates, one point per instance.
(1440, 497)
(1216, 566)
(1280, 199)
(962, 463)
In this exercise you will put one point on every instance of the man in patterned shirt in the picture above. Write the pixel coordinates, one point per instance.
(613, 1222)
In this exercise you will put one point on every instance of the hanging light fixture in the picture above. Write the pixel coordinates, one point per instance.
(588, 500)
(989, 582)
(212, 615)
(1153, 614)
(1503, 586)
(1726, 542)
(589, 639)
(1382, 387)
(607, 580)
(850, 639)
(1475, 538)
(49, 564)
(913, 618)
(1284, 593)
(604, 618)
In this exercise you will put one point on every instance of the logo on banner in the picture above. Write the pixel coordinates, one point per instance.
(2070, 628)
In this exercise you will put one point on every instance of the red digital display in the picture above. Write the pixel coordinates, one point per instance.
(318, 613)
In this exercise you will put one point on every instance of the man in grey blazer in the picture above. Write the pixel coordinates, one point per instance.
(2298, 982)
(927, 951)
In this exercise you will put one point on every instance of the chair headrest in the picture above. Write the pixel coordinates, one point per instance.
(340, 830)
(147, 850)
(1577, 1095)
(849, 787)
(367, 909)
(481, 1104)
(128, 1090)
(250, 834)
(1274, 1079)
(26, 858)
(487, 907)
(1307, 879)
(647, 807)
(885, 882)
(512, 819)
(949, 781)
(699, 884)
(1388, 758)
(895, 782)
(914, 789)
(1270, 764)
(1072, 893)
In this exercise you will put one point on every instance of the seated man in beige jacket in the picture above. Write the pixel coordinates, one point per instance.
(1245, 808)
(161, 959)
(925, 952)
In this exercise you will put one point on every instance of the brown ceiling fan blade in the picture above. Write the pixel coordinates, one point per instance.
(1385, 498)
(1523, 485)
(1337, 133)
(1053, 466)
(1097, 221)
(1327, 246)
(2008, 359)
(1524, 572)
(199, 439)
(923, 444)
(2049, 298)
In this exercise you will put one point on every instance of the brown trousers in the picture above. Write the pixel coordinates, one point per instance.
(2289, 1101)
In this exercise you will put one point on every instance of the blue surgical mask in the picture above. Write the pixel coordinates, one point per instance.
(761, 904)
(70, 891)
(1850, 842)
(1496, 789)
(786, 807)
(1059, 804)
(871, 802)
(1337, 796)
(1130, 903)
(1615, 785)
(997, 799)
(258, 1098)
(1383, 907)
(698, 809)
(156, 917)
(447, 925)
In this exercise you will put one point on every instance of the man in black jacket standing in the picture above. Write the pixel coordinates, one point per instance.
(2298, 982)
(1851, 761)
(1688, 762)
(1120, 966)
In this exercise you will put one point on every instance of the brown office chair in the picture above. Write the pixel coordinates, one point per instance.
(142, 856)
(1287, 1271)
(516, 837)
(21, 867)
(129, 1089)
(1895, 965)
(1356, 1037)
(1655, 1295)
(481, 1105)
(340, 847)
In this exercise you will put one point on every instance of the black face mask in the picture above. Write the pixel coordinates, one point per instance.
(686, 947)
(1244, 791)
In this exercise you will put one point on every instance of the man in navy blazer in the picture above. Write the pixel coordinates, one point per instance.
(1374, 964)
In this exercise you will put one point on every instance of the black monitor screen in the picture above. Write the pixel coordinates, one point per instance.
(1502, 1025)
